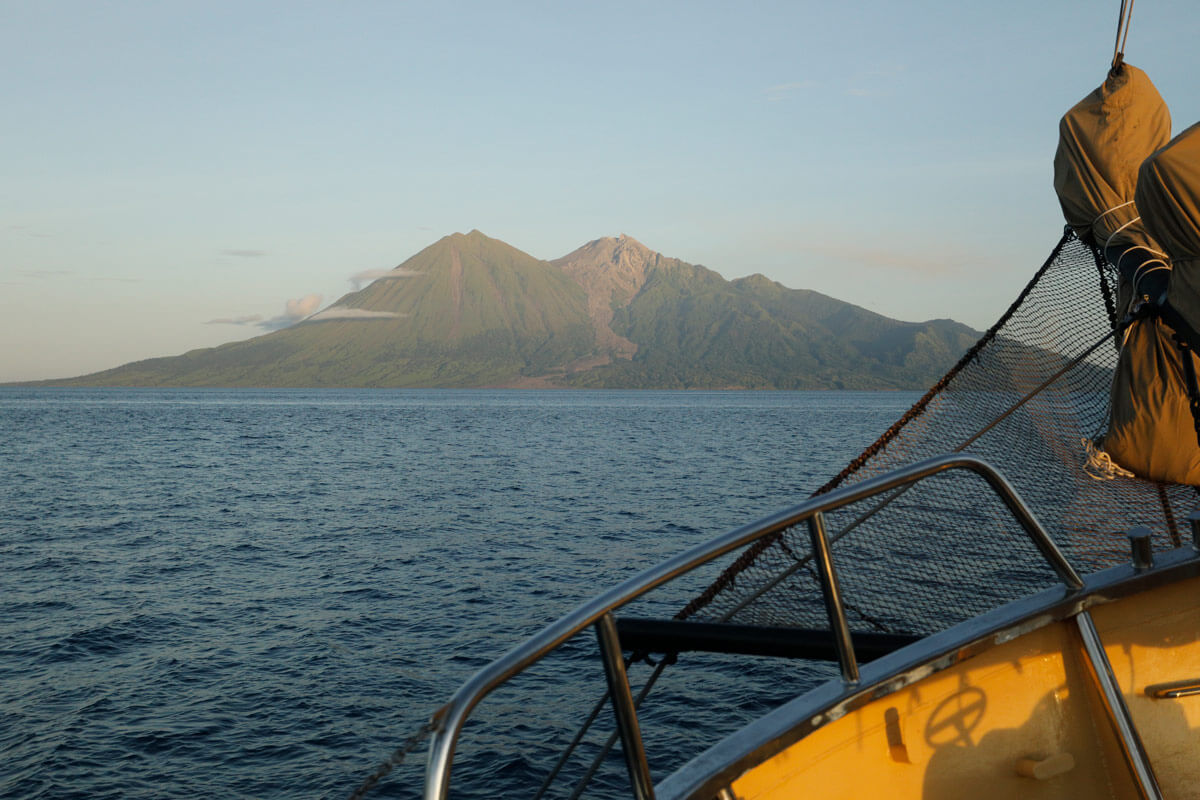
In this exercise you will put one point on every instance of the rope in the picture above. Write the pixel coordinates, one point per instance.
(582, 785)
(394, 760)
(566, 753)
(1172, 528)
(1098, 465)
(1110, 303)
(1123, 18)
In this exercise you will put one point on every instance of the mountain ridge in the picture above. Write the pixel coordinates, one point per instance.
(472, 311)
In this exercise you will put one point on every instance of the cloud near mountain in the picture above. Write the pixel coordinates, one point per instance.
(334, 312)
(369, 275)
(293, 311)
(249, 319)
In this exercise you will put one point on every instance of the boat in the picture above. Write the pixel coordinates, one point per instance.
(1012, 611)
(1090, 688)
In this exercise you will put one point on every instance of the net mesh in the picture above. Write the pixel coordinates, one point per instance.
(946, 549)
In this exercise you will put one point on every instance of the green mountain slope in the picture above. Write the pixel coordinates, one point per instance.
(472, 311)
(694, 329)
(466, 311)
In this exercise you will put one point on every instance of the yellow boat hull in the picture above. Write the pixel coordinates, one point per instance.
(1021, 716)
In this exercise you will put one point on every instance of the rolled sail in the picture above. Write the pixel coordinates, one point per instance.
(1152, 430)
(1168, 194)
(1102, 141)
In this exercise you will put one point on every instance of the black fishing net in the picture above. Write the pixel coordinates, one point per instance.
(944, 550)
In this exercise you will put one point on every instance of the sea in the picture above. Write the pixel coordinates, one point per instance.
(265, 593)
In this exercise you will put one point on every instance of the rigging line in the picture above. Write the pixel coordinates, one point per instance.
(393, 761)
(612, 739)
(1172, 528)
(896, 494)
(569, 749)
(1117, 43)
(587, 724)
(1069, 366)
(1123, 18)
(1128, 20)
(1102, 267)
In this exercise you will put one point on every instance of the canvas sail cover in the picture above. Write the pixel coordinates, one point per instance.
(1168, 194)
(1102, 142)
(1152, 430)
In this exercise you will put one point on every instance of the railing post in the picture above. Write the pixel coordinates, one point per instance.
(1141, 547)
(1101, 673)
(830, 588)
(622, 700)
(1194, 523)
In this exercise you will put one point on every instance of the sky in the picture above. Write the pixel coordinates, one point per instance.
(180, 174)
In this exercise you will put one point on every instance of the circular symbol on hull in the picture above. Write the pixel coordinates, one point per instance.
(955, 717)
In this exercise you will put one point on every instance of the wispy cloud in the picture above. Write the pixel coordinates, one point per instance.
(902, 257)
(343, 312)
(886, 250)
(248, 320)
(294, 311)
(876, 81)
(45, 273)
(775, 94)
(29, 231)
(244, 253)
(368, 275)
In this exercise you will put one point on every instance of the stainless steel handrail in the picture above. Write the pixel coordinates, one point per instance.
(831, 589)
(1105, 682)
(449, 720)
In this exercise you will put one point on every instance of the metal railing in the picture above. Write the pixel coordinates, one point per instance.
(448, 721)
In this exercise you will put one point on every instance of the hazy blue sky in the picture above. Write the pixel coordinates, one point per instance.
(170, 164)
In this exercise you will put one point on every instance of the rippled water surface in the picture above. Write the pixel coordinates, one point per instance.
(246, 593)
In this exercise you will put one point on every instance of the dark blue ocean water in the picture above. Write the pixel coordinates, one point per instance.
(242, 593)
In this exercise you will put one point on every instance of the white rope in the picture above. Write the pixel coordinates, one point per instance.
(1142, 270)
(1082, 230)
(1161, 259)
(1099, 465)
(1104, 214)
(1123, 227)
